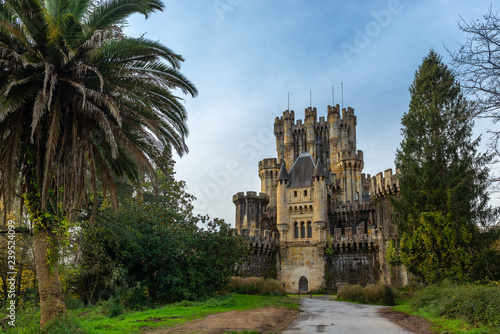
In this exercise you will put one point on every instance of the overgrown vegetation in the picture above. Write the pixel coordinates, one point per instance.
(466, 308)
(378, 294)
(256, 286)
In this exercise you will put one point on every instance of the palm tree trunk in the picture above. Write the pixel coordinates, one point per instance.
(49, 285)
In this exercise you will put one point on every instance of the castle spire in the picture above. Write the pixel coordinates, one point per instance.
(283, 176)
(319, 170)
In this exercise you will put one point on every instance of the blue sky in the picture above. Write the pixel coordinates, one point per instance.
(245, 56)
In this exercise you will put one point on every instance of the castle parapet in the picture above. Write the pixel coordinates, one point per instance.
(351, 155)
(384, 184)
(351, 208)
(250, 195)
(270, 163)
(334, 111)
(262, 244)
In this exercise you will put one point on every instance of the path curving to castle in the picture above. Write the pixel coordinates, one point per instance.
(325, 315)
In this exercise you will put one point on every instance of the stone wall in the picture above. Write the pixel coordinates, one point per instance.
(384, 187)
(260, 265)
(301, 259)
(261, 261)
(351, 268)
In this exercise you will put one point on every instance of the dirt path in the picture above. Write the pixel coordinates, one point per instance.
(410, 322)
(264, 320)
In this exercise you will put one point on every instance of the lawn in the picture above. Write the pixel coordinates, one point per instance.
(93, 320)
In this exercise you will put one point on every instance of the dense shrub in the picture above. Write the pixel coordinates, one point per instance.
(478, 305)
(380, 294)
(255, 286)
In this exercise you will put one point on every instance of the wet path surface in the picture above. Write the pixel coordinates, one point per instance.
(325, 315)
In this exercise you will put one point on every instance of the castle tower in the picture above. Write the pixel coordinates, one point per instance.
(310, 123)
(320, 197)
(288, 119)
(282, 216)
(268, 174)
(332, 141)
(250, 217)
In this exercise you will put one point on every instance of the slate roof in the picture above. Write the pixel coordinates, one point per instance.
(302, 171)
(283, 174)
(319, 170)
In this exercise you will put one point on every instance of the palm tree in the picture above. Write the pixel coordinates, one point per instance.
(80, 103)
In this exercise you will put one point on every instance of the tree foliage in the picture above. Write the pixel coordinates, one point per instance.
(443, 179)
(156, 251)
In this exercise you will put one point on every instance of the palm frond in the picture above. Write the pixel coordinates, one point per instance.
(111, 12)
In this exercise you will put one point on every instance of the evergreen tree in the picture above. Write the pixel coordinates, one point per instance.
(443, 179)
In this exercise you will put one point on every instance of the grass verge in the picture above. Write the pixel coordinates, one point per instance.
(94, 320)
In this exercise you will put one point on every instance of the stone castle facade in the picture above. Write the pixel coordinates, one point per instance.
(318, 221)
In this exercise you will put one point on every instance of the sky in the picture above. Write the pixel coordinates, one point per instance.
(246, 56)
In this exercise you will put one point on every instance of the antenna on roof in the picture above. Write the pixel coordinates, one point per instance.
(333, 97)
(288, 101)
(310, 98)
(342, 89)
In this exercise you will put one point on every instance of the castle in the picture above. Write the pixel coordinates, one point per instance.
(318, 222)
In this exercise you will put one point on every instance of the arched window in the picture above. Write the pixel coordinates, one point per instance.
(295, 230)
(309, 230)
(302, 230)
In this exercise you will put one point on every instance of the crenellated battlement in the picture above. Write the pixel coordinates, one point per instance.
(350, 208)
(270, 163)
(347, 113)
(384, 184)
(250, 195)
(351, 155)
(311, 112)
(334, 113)
(262, 244)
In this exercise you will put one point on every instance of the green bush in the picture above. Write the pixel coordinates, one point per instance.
(255, 286)
(379, 294)
(479, 305)
(113, 307)
(73, 303)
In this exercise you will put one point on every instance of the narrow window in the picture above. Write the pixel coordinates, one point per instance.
(295, 194)
(309, 230)
(295, 230)
(302, 230)
(305, 192)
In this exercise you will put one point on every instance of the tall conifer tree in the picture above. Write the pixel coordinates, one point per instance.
(443, 179)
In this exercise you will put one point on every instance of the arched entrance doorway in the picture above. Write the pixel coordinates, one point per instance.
(303, 285)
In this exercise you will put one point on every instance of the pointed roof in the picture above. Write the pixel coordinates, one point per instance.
(302, 171)
(319, 170)
(283, 174)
